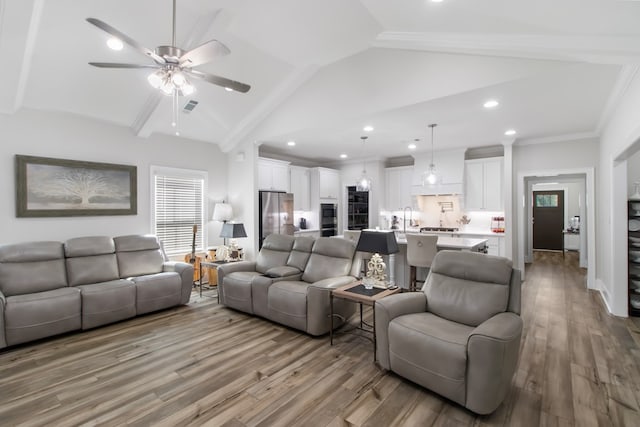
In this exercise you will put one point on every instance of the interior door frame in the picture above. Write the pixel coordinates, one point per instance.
(530, 189)
(590, 216)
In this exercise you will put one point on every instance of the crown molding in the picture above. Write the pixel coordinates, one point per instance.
(558, 138)
(593, 49)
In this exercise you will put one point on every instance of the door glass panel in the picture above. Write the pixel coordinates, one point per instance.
(546, 200)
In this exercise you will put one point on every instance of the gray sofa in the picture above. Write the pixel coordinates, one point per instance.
(48, 288)
(460, 336)
(290, 281)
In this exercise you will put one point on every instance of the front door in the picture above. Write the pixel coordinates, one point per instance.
(548, 220)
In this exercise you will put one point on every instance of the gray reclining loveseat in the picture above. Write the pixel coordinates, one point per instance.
(48, 288)
(290, 281)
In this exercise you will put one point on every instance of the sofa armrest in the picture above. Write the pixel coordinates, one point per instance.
(3, 302)
(231, 267)
(388, 309)
(492, 354)
(185, 270)
(318, 321)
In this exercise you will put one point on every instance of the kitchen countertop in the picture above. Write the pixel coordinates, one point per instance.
(460, 243)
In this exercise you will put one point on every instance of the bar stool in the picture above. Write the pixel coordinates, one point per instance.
(421, 248)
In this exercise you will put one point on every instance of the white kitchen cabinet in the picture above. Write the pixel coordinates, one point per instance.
(571, 242)
(449, 171)
(483, 184)
(398, 187)
(273, 175)
(300, 180)
(329, 180)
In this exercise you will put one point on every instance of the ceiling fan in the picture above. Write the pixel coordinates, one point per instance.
(173, 64)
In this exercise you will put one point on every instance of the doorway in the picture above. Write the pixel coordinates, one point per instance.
(548, 220)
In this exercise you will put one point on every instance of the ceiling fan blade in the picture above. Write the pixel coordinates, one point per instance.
(120, 65)
(220, 81)
(126, 39)
(204, 53)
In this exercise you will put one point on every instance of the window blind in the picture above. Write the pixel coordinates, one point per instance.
(179, 205)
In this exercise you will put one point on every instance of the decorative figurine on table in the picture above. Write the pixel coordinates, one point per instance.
(375, 272)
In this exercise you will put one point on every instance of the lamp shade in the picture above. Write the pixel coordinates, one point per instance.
(233, 230)
(381, 242)
(222, 212)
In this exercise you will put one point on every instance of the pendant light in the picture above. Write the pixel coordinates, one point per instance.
(364, 182)
(429, 177)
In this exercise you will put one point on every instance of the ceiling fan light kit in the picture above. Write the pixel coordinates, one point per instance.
(173, 65)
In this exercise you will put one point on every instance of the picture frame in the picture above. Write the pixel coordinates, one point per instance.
(48, 187)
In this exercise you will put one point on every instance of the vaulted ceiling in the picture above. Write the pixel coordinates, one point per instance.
(321, 70)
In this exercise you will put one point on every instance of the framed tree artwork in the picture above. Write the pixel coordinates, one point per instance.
(47, 187)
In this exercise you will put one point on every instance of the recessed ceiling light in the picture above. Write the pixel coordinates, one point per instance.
(510, 132)
(115, 43)
(367, 128)
(492, 103)
(228, 89)
(343, 156)
(291, 143)
(436, 1)
(412, 146)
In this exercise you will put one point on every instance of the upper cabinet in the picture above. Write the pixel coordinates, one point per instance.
(449, 170)
(398, 187)
(483, 184)
(273, 175)
(300, 188)
(328, 183)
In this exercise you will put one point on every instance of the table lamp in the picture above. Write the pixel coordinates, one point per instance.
(222, 212)
(377, 242)
(233, 231)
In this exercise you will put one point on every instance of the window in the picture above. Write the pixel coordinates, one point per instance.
(546, 200)
(177, 205)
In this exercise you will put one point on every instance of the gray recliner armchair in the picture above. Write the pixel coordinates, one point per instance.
(460, 336)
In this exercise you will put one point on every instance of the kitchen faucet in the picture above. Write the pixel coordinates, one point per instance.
(404, 218)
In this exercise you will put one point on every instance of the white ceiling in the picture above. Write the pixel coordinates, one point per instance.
(321, 70)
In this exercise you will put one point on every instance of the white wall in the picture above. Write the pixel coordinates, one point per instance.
(67, 136)
(242, 176)
(620, 138)
(633, 172)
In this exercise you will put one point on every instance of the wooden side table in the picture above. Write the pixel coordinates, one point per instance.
(212, 267)
(356, 292)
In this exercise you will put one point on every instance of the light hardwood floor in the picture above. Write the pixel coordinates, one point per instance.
(203, 364)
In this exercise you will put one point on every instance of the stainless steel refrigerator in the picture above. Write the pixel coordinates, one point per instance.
(276, 214)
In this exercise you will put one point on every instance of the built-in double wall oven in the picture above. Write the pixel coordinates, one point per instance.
(328, 219)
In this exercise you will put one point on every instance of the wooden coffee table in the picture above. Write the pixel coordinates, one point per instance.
(356, 292)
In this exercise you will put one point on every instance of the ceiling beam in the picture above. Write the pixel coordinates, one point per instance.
(17, 47)
(620, 50)
(252, 120)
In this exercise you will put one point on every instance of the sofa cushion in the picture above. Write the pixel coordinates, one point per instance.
(300, 252)
(274, 252)
(468, 287)
(88, 246)
(42, 314)
(92, 269)
(138, 255)
(157, 291)
(31, 267)
(431, 351)
(329, 258)
(107, 302)
(287, 303)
